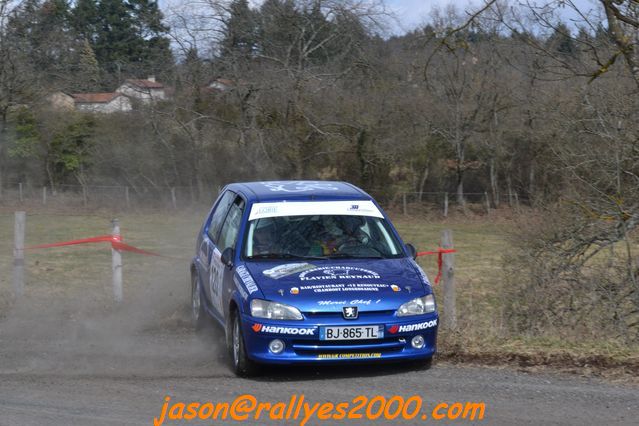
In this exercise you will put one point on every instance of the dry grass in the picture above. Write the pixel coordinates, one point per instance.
(67, 273)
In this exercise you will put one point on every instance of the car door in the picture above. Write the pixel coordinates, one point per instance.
(220, 273)
(209, 238)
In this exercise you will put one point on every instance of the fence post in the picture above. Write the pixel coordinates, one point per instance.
(404, 207)
(487, 202)
(20, 192)
(126, 197)
(116, 263)
(44, 195)
(173, 200)
(449, 317)
(445, 204)
(516, 201)
(18, 253)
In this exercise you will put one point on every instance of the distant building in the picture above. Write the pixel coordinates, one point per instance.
(146, 91)
(101, 102)
(221, 84)
(61, 100)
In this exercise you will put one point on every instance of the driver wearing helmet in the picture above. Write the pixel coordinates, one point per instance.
(264, 238)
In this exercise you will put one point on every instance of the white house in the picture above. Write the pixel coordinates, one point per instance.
(221, 84)
(61, 101)
(101, 102)
(144, 90)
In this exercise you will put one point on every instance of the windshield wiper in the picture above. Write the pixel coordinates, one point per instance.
(285, 256)
(351, 256)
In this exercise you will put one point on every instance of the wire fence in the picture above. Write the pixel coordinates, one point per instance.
(119, 197)
(116, 197)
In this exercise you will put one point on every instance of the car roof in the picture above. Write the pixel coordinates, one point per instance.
(282, 190)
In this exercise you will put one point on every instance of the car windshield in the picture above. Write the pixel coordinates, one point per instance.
(320, 237)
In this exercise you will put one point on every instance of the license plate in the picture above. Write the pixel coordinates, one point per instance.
(361, 332)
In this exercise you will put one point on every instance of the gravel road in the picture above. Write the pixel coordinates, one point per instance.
(94, 365)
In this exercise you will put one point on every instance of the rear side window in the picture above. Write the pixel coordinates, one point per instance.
(231, 227)
(219, 214)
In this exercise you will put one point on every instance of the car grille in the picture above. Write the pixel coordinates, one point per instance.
(339, 314)
(311, 347)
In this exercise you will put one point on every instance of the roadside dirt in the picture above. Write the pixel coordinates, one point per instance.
(82, 361)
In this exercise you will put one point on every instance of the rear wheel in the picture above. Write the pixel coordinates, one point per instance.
(240, 362)
(198, 316)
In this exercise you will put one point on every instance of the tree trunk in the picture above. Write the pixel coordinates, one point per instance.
(422, 183)
(3, 126)
(460, 190)
(493, 182)
(622, 39)
(531, 183)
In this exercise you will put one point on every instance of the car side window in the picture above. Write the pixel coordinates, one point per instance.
(231, 227)
(219, 214)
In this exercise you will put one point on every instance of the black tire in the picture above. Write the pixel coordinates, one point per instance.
(198, 315)
(241, 364)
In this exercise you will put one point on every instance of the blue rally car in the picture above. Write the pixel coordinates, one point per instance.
(309, 272)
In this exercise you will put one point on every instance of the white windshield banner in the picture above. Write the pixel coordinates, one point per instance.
(312, 208)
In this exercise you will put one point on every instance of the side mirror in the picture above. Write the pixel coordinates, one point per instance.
(227, 257)
(411, 251)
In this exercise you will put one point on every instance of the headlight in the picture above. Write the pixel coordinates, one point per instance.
(421, 305)
(273, 310)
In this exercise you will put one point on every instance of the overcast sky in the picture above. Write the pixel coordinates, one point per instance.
(412, 13)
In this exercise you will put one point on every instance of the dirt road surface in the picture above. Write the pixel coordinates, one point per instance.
(86, 362)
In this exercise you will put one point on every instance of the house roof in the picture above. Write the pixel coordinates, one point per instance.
(224, 81)
(95, 98)
(145, 84)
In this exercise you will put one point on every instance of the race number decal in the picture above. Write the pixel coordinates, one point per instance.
(216, 280)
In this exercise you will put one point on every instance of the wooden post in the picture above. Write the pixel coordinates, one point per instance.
(449, 317)
(487, 202)
(84, 195)
(44, 195)
(516, 201)
(445, 204)
(404, 206)
(116, 263)
(173, 199)
(18, 253)
(126, 197)
(20, 192)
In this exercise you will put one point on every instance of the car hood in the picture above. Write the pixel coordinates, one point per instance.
(372, 285)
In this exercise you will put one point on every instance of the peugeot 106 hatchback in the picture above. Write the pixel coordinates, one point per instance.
(309, 272)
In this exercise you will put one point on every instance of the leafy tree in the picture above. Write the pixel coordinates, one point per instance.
(561, 41)
(88, 69)
(27, 136)
(279, 21)
(41, 31)
(129, 38)
(70, 149)
(85, 20)
(240, 38)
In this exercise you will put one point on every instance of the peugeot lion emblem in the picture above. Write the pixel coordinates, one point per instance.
(349, 312)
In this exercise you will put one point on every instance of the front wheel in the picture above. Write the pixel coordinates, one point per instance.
(242, 365)
(198, 316)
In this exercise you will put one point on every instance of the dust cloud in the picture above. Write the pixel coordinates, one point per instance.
(148, 334)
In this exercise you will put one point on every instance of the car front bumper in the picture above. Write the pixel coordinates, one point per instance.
(303, 345)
